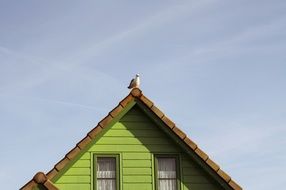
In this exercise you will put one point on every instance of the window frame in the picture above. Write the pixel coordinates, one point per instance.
(117, 168)
(178, 169)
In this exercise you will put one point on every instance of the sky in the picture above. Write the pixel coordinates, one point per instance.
(217, 68)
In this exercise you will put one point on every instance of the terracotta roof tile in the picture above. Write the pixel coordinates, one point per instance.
(213, 165)
(180, 133)
(92, 134)
(103, 123)
(190, 143)
(73, 153)
(116, 111)
(168, 122)
(157, 111)
(61, 164)
(40, 178)
(146, 101)
(29, 186)
(223, 175)
(126, 100)
(136, 92)
(201, 154)
(84, 142)
(50, 186)
(234, 185)
(52, 173)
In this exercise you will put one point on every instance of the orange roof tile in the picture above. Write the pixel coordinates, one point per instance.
(42, 179)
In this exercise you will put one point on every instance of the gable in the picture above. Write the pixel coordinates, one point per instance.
(136, 138)
(136, 130)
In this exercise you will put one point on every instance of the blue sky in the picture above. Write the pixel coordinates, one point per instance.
(217, 68)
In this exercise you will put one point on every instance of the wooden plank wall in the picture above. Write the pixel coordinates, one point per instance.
(135, 138)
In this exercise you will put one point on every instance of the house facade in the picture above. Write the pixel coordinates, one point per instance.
(135, 147)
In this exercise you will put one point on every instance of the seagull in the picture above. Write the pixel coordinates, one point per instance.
(134, 82)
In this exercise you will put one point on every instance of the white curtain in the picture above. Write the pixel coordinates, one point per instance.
(167, 174)
(106, 175)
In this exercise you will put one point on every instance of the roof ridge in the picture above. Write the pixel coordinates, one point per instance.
(135, 93)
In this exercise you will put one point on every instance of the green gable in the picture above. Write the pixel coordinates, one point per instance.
(135, 138)
(136, 133)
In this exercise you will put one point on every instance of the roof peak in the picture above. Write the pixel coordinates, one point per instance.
(136, 92)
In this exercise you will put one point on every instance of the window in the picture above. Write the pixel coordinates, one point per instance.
(106, 173)
(167, 175)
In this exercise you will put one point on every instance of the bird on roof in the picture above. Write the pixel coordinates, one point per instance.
(135, 82)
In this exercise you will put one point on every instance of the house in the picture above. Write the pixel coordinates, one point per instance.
(135, 147)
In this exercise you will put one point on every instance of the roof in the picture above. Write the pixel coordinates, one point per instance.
(41, 179)
(135, 95)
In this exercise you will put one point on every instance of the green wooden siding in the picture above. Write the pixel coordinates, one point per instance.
(136, 139)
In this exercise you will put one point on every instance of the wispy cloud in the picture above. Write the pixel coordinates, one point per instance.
(160, 18)
(41, 71)
(47, 69)
(51, 101)
(233, 43)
